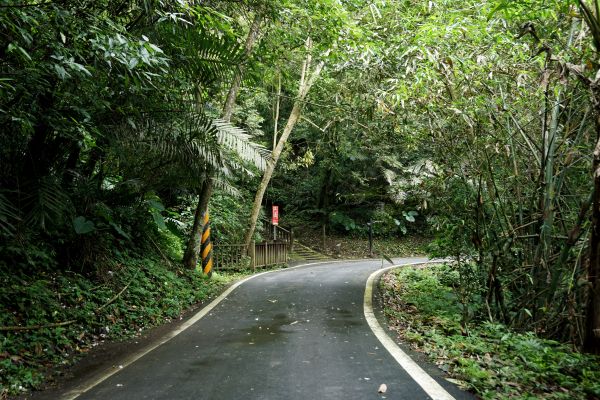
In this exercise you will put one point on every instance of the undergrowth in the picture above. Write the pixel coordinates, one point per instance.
(484, 357)
(357, 246)
(53, 318)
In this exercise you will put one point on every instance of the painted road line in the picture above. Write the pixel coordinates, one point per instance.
(427, 383)
(73, 394)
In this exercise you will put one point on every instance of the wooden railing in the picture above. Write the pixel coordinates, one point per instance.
(230, 256)
(268, 253)
(274, 250)
(277, 233)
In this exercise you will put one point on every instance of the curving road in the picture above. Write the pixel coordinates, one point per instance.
(298, 333)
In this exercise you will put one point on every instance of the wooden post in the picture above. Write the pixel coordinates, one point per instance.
(291, 240)
(370, 223)
(253, 255)
(324, 238)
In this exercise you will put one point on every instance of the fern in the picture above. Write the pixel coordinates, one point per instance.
(198, 52)
(9, 216)
(226, 187)
(48, 204)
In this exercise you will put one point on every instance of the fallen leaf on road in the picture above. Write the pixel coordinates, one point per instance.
(295, 322)
(382, 388)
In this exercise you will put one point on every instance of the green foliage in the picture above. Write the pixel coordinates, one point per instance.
(490, 359)
(343, 222)
(108, 108)
(229, 217)
(472, 123)
(132, 296)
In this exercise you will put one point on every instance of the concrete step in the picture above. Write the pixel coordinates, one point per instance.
(302, 252)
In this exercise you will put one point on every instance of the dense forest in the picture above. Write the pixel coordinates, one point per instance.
(473, 123)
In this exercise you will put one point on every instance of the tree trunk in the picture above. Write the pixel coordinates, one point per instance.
(294, 116)
(192, 251)
(591, 342)
(592, 335)
(306, 81)
(237, 79)
(276, 111)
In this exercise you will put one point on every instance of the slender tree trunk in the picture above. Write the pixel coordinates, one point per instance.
(237, 79)
(276, 113)
(591, 342)
(294, 116)
(307, 79)
(592, 337)
(192, 250)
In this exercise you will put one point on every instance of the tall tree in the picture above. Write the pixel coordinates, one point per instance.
(308, 76)
(192, 252)
(591, 15)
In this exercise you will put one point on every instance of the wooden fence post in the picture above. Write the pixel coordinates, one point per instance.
(253, 255)
(291, 240)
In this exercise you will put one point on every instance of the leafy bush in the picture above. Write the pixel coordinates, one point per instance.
(387, 222)
(341, 222)
(489, 358)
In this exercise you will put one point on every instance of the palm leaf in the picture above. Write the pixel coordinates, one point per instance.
(47, 204)
(240, 142)
(199, 53)
(9, 216)
(227, 187)
(194, 141)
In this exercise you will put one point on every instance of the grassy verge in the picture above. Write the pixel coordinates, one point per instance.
(50, 319)
(489, 360)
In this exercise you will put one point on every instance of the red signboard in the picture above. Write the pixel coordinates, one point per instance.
(275, 215)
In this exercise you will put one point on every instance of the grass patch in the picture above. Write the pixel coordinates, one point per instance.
(129, 297)
(488, 359)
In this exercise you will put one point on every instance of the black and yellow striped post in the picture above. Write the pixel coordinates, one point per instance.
(206, 246)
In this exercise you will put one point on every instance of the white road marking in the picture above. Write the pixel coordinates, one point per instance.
(427, 383)
(78, 391)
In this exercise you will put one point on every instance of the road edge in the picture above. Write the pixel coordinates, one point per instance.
(74, 393)
(422, 378)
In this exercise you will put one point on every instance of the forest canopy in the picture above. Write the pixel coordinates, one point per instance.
(473, 123)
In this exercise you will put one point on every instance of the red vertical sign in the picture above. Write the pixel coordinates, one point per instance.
(275, 215)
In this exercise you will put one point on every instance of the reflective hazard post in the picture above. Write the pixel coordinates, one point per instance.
(206, 246)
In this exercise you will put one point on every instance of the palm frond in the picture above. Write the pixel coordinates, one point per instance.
(240, 142)
(9, 216)
(47, 204)
(201, 54)
(182, 149)
(189, 141)
(227, 187)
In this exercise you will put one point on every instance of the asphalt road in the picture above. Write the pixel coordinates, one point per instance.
(293, 334)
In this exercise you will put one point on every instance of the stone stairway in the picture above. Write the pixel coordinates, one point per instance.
(304, 253)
